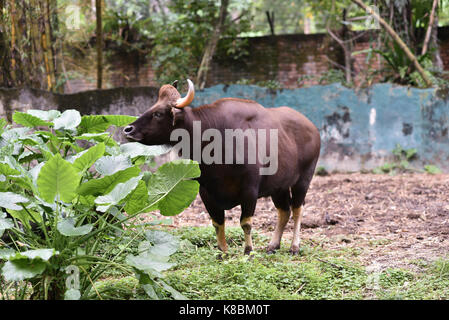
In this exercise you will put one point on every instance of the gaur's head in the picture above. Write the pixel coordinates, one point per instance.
(156, 124)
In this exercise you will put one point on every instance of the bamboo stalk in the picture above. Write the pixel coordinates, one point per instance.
(13, 42)
(398, 40)
(99, 35)
(56, 41)
(37, 55)
(46, 44)
(46, 62)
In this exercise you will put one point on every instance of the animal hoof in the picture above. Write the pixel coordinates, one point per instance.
(272, 249)
(221, 256)
(294, 250)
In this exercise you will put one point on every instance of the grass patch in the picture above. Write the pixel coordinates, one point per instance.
(311, 275)
(316, 273)
(431, 284)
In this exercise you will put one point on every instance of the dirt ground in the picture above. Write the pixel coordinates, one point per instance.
(391, 221)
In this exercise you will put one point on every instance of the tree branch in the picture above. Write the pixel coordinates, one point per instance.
(209, 50)
(429, 28)
(270, 18)
(398, 40)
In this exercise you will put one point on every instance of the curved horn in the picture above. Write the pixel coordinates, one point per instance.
(182, 102)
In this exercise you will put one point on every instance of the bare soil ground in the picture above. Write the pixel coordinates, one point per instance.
(389, 221)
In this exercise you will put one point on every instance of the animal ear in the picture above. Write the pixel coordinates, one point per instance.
(178, 115)
(175, 84)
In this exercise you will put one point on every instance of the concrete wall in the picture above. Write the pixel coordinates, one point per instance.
(358, 129)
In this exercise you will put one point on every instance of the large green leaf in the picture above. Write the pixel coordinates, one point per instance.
(117, 194)
(164, 244)
(39, 254)
(69, 120)
(135, 149)
(85, 161)
(57, 177)
(27, 264)
(120, 120)
(104, 137)
(28, 120)
(104, 185)
(138, 199)
(46, 115)
(24, 216)
(172, 188)
(7, 170)
(6, 253)
(108, 165)
(12, 135)
(100, 123)
(93, 124)
(67, 228)
(147, 264)
(149, 290)
(5, 223)
(34, 172)
(22, 269)
(25, 179)
(9, 200)
(175, 294)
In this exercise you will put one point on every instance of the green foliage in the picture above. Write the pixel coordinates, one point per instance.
(200, 275)
(401, 161)
(269, 84)
(432, 169)
(69, 193)
(410, 20)
(317, 273)
(321, 171)
(332, 76)
(180, 40)
(430, 284)
(57, 178)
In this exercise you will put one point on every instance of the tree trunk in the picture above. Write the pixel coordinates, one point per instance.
(347, 50)
(5, 77)
(437, 57)
(56, 41)
(270, 18)
(25, 64)
(99, 35)
(12, 46)
(211, 46)
(37, 54)
(398, 40)
(429, 28)
(47, 46)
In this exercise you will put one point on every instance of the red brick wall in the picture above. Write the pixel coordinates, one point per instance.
(283, 58)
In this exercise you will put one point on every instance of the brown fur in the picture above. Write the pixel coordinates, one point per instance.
(224, 186)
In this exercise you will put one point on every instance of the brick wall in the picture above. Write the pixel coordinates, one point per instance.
(282, 58)
(291, 60)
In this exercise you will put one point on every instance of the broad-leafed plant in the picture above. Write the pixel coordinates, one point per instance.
(70, 194)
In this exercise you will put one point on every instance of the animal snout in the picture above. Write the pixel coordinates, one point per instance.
(128, 130)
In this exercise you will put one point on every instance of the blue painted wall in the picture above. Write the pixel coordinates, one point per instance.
(360, 129)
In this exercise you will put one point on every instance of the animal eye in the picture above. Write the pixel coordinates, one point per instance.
(157, 115)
